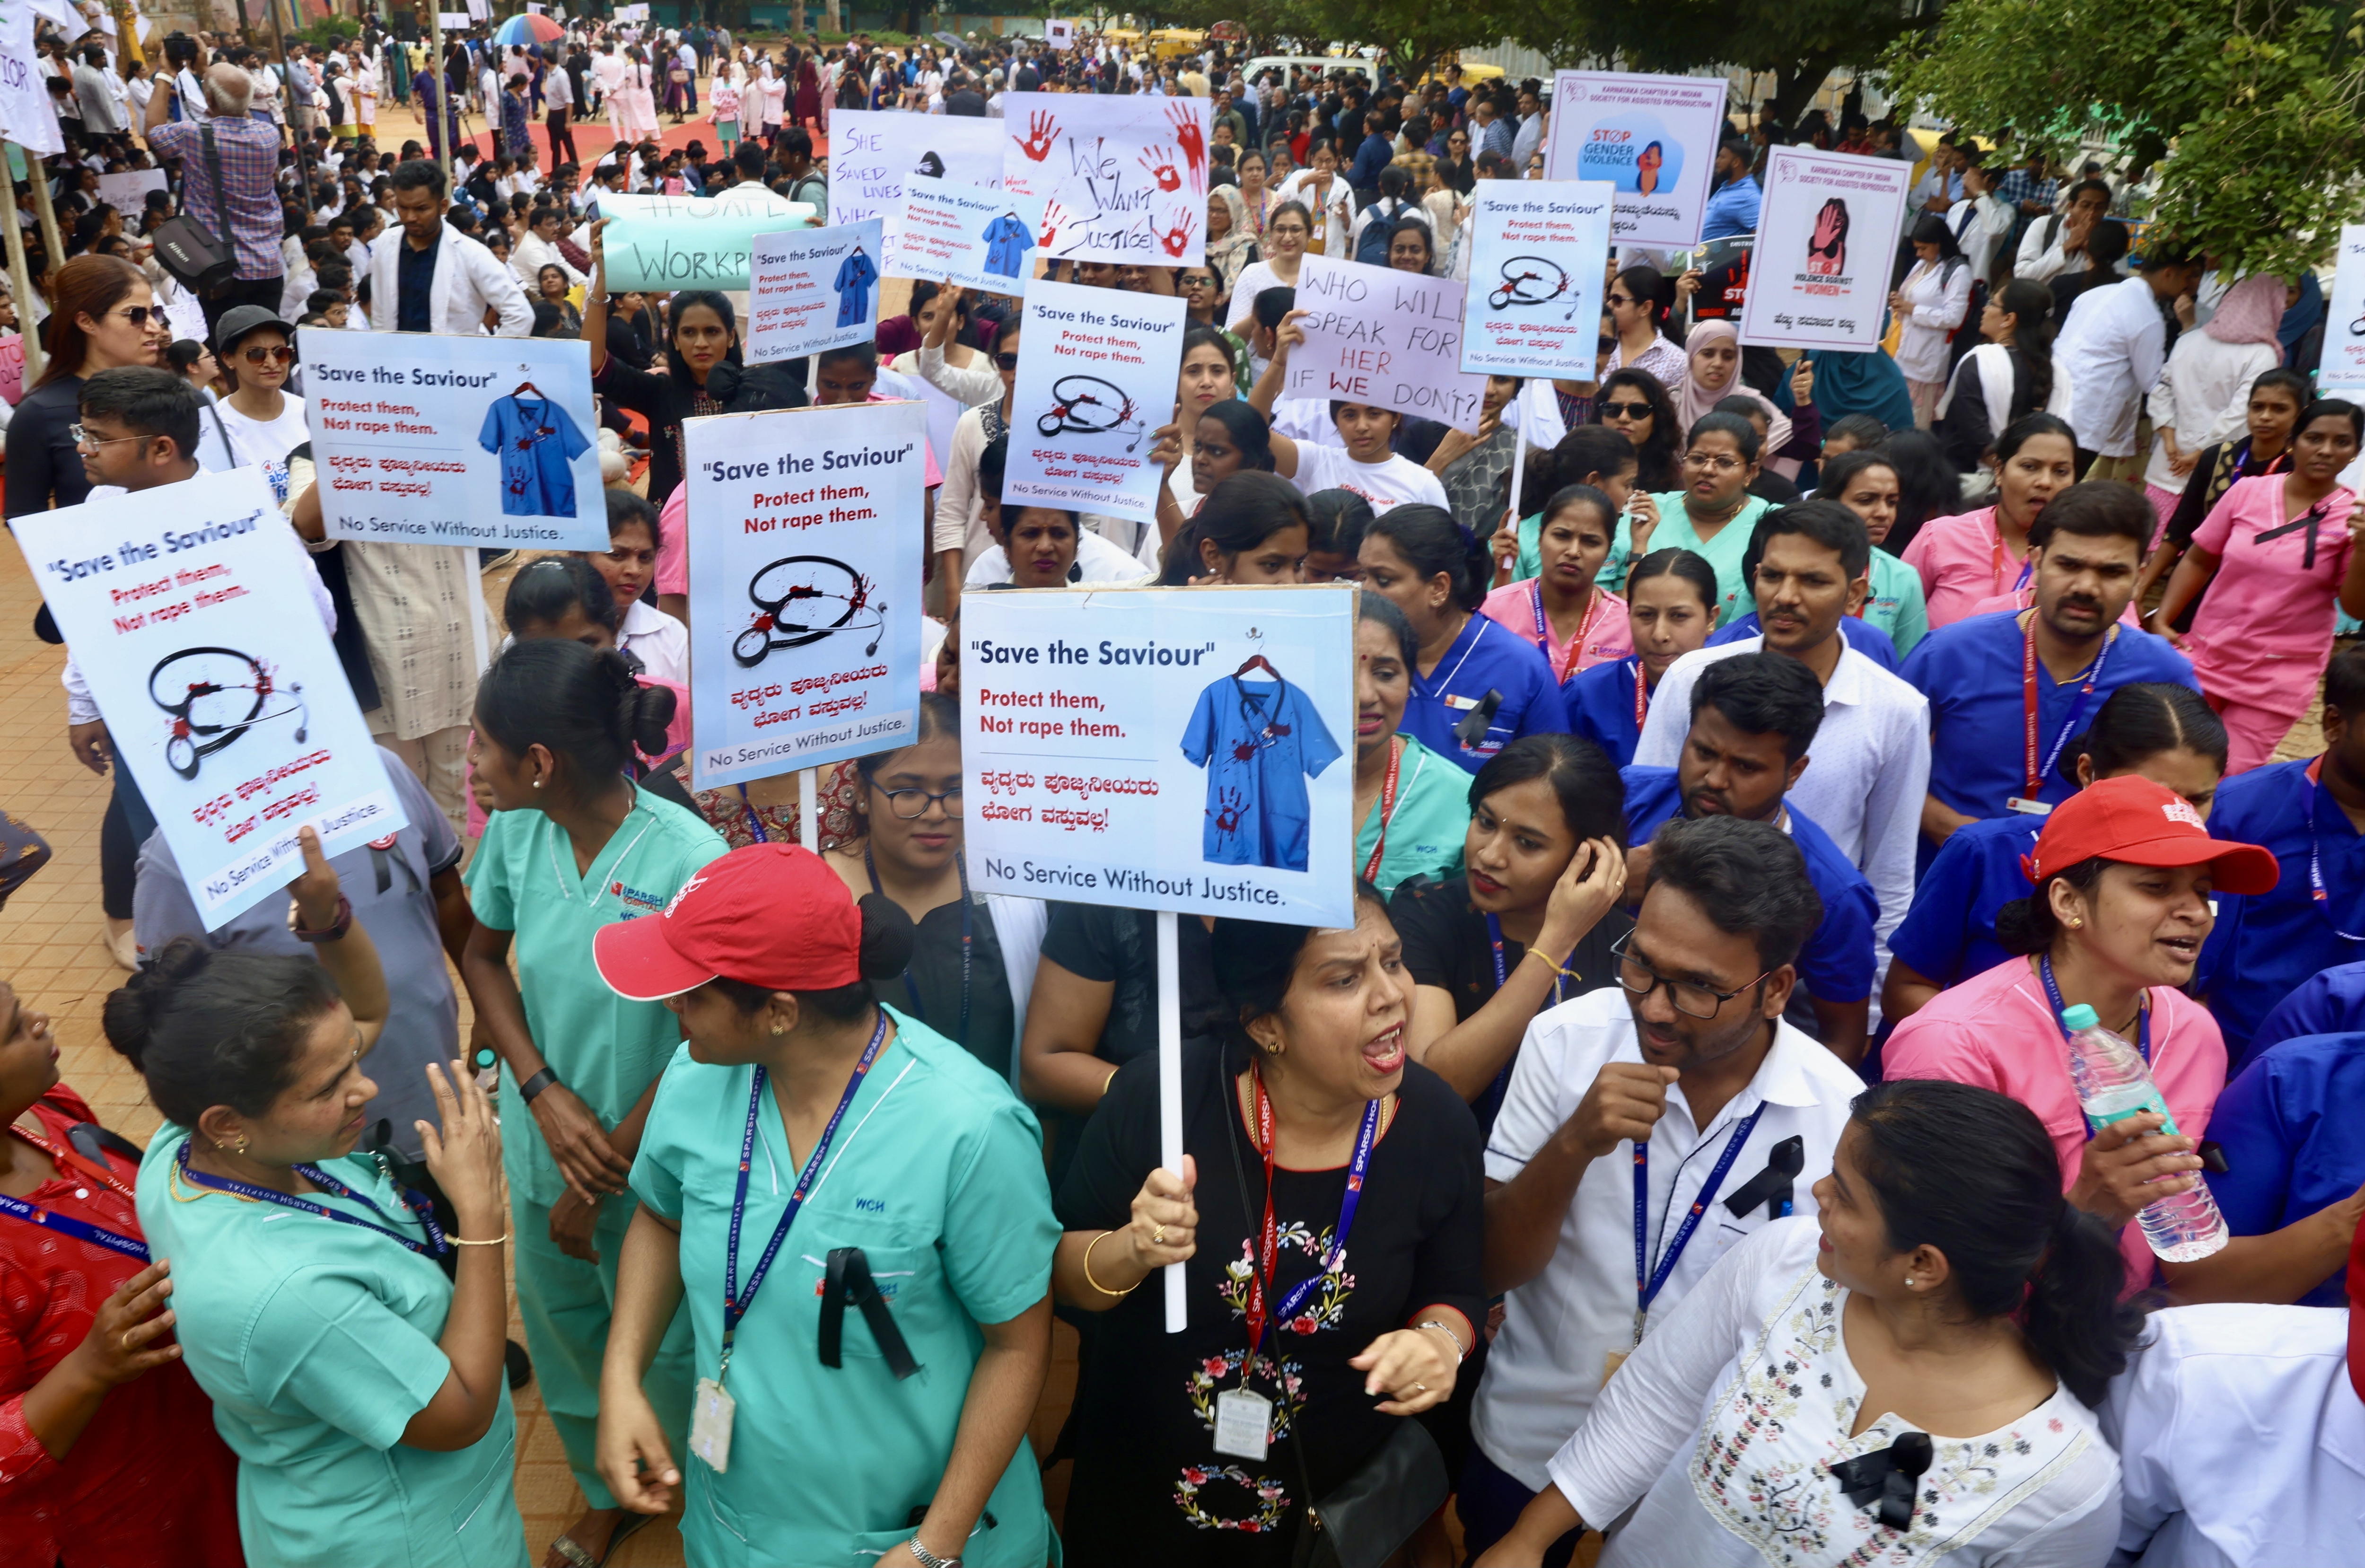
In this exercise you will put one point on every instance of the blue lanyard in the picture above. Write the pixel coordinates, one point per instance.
(735, 1302)
(434, 1247)
(1268, 1241)
(81, 1231)
(2053, 995)
(755, 822)
(910, 986)
(1648, 1282)
(2315, 865)
(1495, 941)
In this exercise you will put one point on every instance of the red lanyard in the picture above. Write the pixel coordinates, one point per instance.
(1544, 633)
(1387, 807)
(1642, 697)
(64, 1158)
(2040, 770)
(1269, 1236)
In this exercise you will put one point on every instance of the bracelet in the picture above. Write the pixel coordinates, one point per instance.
(1109, 1079)
(536, 1084)
(495, 1241)
(1460, 1355)
(1556, 969)
(1119, 1295)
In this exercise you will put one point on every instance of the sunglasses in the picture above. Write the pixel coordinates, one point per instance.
(137, 314)
(259, 354)
(1005, 361)
(1625, 411)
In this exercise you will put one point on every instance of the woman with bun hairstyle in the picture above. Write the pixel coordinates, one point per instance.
(352, 1343)
(854, 1210)
(1437, 572)
(1946, 1318)
(574, 845)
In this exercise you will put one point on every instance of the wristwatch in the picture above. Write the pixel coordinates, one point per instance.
(929, 1558)
(337, 927)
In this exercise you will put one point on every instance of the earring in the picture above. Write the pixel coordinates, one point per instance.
(777, 1030)
(2078, 923)
(537, 783)
(1912, 1283)
(241, 1143)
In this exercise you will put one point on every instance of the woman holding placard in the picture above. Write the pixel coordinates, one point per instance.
(948, 358)
(960, 532)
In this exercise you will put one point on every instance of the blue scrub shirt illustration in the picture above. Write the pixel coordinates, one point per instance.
(212, 695)
(1007, 240)
(1259, 743)
(537, 442)
(856, 276)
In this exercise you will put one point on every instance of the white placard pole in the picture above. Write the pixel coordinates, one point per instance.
(809, 808)
(1170, 1093)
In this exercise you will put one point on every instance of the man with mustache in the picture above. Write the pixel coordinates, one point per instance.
(2009, 690)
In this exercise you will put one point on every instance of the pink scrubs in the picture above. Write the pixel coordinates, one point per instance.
(2261, 637)
(1961, 565)
(1604, 636)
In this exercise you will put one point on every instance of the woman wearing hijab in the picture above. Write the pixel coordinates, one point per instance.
(2203, 396)
(1712, 355)
(1867, 383)
(1231, 242)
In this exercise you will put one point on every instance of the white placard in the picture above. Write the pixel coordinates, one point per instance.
(1059, 34)
(424, 440)
(1122, 178)
(1127, 746)
(1388, 339)
(870, 151)
(810, 289)
(1096, 375)
(480, 10)
(1653, 137)
(1539, 251)
(1818, 277)
(971, 235)
(453, 21)
(804, 582)
(2344, 332)
(128, 193)
(190, 610)
(27, 115)
(683, 241)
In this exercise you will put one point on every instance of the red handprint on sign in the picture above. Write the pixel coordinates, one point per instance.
(1159, 162)
(1040, 129)
(1054, 214)
(1177, 239)
(1195, 146)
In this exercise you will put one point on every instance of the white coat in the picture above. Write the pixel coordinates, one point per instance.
(469, 279)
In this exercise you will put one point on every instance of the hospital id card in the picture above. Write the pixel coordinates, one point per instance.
(1243, 1423)
(710, 1412)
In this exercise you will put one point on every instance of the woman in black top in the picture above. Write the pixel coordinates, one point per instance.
(105, 317)
(703, 372)
(1544, 863)
(1312, 1066)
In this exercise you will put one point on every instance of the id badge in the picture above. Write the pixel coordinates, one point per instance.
(710, 1424)
(2029, 808)
(1610, 1361)
(1243, 1423)
(1460, 704)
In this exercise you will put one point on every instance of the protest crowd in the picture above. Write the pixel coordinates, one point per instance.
(1839, 1007)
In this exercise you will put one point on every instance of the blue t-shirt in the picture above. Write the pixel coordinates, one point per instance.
(1838, 962)
(2288, 1124)
(1007, 243)
(1949, 934)
(538, 442)
(2265, 944)
(1260, 744)
(1486, 656)
(1972, 672)
(855, 277)
(2329, 1003)
(1600, 704)
(1862, 635)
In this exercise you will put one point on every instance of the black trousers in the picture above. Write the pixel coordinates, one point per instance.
(561, 132)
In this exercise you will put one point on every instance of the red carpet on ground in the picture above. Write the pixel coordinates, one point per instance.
(593, 137)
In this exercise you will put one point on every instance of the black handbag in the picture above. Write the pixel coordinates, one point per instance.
(185, 249)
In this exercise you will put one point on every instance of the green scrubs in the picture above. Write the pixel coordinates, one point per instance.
(1427, 826)
(1893, 602)
(606, 1049)
(1722, 552)
(317, 1342)
(936, 1174)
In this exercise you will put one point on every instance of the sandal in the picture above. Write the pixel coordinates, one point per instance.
(567, 1547)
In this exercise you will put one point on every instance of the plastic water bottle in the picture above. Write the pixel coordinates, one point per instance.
(2113, 1081)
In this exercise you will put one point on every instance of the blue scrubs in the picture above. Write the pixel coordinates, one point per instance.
(2332, 1002)
(1838, 962)
(537, 443)
(1007, 243)
(2287, 1124)
(1486, 656)
(1259, 743)
(1949, 934)
(1600, 704)
(855, 277)
(1972, 672)
(2265, 944)
(1862, 635)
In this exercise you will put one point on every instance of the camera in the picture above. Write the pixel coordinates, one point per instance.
(181, 50)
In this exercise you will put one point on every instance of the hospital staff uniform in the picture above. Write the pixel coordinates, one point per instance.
(318, 1342)
(1422, 832)
(2265, 944)
(1603, 707)
(1949, 934)
(1723, 552)
(1861, 635)
(608, 1051)
(2330, 1001)
(2288, 1124)
(1961, 560)
(1605, 634)
(1483, 657)
(1894, 602)
(936, 1176)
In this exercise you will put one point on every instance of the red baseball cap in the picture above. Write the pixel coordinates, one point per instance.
(771, 916)
(2132, 820)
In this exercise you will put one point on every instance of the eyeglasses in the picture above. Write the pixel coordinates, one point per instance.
(259, 354)
(83, 437)
(1007, 360)
(1690, 998)
(912, 804)
(1713, 462)
(1625, 411)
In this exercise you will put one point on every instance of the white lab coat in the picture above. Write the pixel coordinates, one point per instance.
(2108, 355)
(1940, 295)
(469, 279)
(2204, 396)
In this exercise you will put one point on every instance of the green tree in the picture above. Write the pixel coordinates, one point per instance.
(2254, 110)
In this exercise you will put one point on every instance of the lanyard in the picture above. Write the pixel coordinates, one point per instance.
(735, 1302)
(1268, 1238)
(434, 1247)
(1545, 632)
(754, 822)
(1642, 695)
(64, 1158)
(910, 986)
(2053, 995)
(2038, 772)
(2316, 853)
(1502, 974)
(1387, 807)
(81, 1231)
(1649, 1282)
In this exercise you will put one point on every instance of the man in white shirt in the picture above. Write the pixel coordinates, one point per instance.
(434, 278)
(1682, 1080)
(2051, 244)
(1980, 221)
(2109, 353)
(1870, 769)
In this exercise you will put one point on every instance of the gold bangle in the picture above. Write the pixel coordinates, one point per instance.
(1118, 1295)
(1556, 969)
(463, 1241)
(1109, 1079)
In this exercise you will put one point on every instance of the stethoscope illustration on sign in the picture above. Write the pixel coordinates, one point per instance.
(216, 695)
(1088, 405)
(830, 587)
(1519, 273)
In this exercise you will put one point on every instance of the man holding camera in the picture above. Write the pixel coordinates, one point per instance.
(246, 152)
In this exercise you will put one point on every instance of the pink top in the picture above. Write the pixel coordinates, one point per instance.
(1994, 1030)
(1960, 565)
(1605, 634)
(2265, 631)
